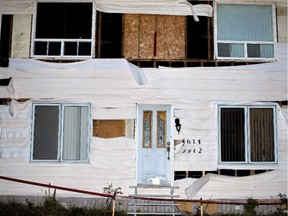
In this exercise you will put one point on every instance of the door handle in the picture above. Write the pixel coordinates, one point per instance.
(168, 150)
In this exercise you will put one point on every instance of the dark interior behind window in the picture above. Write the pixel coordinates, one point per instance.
(64, 20)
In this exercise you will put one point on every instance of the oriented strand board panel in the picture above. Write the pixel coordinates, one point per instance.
(109, 128)
(154, 36)
(171, 37)
(130, 35)
(146, 36)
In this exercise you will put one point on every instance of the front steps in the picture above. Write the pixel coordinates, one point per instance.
(139, 206)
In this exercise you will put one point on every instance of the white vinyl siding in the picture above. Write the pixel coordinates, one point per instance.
(247, 134)
(60, 132)
(245, 31)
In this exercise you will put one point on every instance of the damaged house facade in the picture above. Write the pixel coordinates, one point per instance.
(185, 95)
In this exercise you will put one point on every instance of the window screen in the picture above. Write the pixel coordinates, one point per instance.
(232, 134)
(262, 134)
(46, 133)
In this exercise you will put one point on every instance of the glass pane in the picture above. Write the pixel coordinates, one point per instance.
(84, 48)
(232, 135)
(267, 50)
(161, 129)
(244, 22)
(70, 48)
(46, 124)
(224, 50)
(237, 50)
(54, 48)
(75, 133)
(253, 50)
(40, 48)
(147, 129)
(262, 146)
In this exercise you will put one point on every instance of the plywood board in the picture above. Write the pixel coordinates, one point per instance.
(154, 36)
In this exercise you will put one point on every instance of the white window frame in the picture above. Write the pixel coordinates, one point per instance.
(247, 134)
(62, 41)
(216, 41)
(60, 132)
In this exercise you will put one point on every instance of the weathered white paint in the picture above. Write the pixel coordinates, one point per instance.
(21, 36)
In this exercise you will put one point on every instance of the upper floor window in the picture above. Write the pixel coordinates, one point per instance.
(63, 30)
(247, 134)
(245, 31)
(60, 132)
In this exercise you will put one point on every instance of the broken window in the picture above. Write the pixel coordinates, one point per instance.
(245, 31)
(60, 132)
(63, 30)
(247, 134)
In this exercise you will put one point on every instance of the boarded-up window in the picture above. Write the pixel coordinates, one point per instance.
(247, 134)
(109, 128)
(154, 36)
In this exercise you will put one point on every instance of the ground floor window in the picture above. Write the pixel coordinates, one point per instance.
(247, 134)
(60, 132)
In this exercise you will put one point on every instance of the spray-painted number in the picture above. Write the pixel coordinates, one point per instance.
(191, 146)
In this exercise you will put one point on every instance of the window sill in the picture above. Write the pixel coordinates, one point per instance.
(251, 166)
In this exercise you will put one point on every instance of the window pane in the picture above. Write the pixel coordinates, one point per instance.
(70, 48)
(224, 50)
(84, 48)
(237, 50)
(75, 133)
(64, 20)
(244, 22)
(267, 50)
(161, 129)
(46, 124)
(262, 135)
(147, 129)
(54, 48)
(253, 50)
(232, 135)
(40, 48)
(230, 50)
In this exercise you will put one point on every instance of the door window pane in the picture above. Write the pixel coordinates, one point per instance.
(161, 129)
(147, 129)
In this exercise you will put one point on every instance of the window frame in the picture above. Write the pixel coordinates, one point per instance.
(245, 43)
(247, 130)
(60, 142)
(92, 40)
